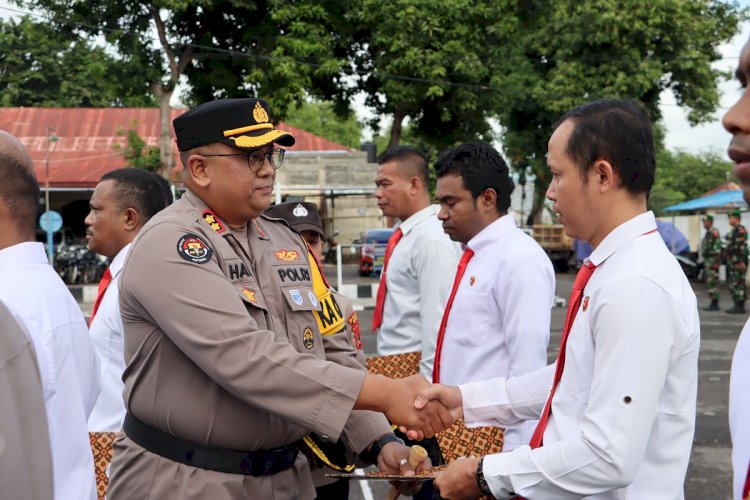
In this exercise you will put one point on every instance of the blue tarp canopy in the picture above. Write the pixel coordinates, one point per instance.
(722, 199)
(673, 238)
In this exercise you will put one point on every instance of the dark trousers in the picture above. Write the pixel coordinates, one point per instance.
(334, 491)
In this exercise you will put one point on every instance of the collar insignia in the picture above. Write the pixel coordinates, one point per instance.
(287, 255)
(213, 221)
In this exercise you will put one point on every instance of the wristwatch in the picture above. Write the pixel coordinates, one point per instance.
(481, 481)
(372, 454)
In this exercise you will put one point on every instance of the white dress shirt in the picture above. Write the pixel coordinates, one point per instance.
(106, 332)
(623, 415)
(739, 410)
(419, 279)
(44, 307)
(500, 320)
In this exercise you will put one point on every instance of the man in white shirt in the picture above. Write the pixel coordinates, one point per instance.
(737, 122)
(419, 271)
(497, 324)
(122, 202)
(623, 403)
(41, 303)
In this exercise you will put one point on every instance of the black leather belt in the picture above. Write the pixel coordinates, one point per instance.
(249, 463)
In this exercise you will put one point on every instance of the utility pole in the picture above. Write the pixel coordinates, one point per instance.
(50, 245)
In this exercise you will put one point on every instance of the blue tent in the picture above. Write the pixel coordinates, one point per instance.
(722, 199)
(673, 238)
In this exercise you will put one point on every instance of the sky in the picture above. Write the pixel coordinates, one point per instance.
(680, 135)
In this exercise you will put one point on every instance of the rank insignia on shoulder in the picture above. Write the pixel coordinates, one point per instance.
(192, 248)
(250, 295)
(354, 323)
(296, 297)
(585, 303)
(308, 339)
(213, 221)
(287, 255)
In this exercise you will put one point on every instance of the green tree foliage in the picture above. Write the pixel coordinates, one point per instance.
(578, 51)
(435, 62)
(681, 176)
(40, 66)
(320, 119)
(136, 152)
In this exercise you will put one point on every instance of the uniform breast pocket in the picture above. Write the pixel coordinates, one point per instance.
(470, 318)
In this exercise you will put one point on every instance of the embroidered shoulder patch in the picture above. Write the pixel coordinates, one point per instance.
(192, 248)
(213, 221)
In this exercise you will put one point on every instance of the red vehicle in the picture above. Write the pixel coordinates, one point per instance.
(372, 251)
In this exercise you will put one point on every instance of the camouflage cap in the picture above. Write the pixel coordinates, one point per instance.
(708, 217)
(301, 216)
(241, 123)
(735, 213)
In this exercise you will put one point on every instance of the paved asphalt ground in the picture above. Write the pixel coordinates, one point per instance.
(709, 474)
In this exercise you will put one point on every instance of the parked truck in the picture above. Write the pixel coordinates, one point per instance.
(558, 245)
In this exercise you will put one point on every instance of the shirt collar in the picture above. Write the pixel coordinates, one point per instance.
(622, 234)
(416, 218)
(492, 232)
(26, 252)
(116, 265)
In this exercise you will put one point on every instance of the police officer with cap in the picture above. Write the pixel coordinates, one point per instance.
(226, 368)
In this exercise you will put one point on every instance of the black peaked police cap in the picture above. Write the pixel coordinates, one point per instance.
(301, 216)
(243, 123)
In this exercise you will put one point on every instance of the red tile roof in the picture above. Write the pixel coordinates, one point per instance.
(87, 137)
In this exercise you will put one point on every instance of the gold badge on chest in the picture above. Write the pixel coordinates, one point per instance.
(308, 339)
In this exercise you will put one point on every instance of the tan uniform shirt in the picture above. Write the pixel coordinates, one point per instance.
(345, 348)
(222, 349)
(25, 454)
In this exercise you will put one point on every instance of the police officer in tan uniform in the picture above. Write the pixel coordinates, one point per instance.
(226, 368)
(343, 345)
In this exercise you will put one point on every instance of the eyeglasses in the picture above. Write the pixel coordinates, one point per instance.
(256, 159)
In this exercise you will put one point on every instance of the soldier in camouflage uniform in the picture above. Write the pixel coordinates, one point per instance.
(711, 252)
(736, 258)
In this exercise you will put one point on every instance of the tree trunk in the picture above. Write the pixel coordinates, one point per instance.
(540, 190)
(164, 94)
(398, 119)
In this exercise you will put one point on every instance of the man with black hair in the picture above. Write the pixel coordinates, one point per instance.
(496, 323)
(122, 202)
(226, 369)
(419, 261)
(43, 306)
(617, 410)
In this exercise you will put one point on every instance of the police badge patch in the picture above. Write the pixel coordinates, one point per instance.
(192, 248)
(296, 297)
(313, 299)
(308, 339)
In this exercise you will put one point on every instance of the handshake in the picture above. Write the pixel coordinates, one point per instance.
(419, 408)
